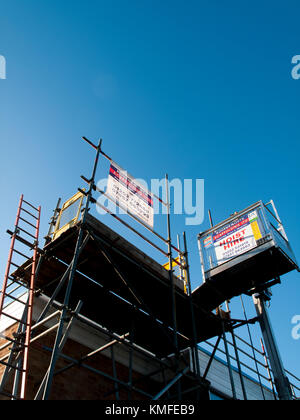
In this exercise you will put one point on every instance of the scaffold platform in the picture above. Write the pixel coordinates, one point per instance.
(122, 288)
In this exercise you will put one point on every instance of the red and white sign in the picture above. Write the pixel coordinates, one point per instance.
(234, 239)
(130, 195)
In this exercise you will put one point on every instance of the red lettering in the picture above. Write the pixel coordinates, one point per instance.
(233, 240)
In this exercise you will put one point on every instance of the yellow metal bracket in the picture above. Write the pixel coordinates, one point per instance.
(183, 275)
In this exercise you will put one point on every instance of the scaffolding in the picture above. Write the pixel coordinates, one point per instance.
(87, 269)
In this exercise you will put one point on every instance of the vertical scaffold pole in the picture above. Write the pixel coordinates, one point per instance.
(174, 319)
(233, 388)
(253, 349)
(281, 381)
(195, 350)
(268, 368)
(30, 309)
(172, 285)
(55, 351)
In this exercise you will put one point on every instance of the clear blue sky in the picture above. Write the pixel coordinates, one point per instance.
(197, 89)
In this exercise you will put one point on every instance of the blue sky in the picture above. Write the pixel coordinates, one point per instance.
(197, 89)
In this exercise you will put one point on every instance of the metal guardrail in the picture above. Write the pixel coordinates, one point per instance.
(256, 365)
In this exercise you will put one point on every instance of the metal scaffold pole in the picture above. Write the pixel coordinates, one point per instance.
(59, 336)
(172, 285)
(195, 344)
(281, 381)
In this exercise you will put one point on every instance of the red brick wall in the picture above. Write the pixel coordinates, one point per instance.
(77, 383)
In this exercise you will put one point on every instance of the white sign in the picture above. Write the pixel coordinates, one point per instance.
(130, 195)
(236, 238)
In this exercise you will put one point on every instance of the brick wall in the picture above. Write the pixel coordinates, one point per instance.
(77, 383)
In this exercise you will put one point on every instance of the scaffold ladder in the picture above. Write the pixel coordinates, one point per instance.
(18, 294)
